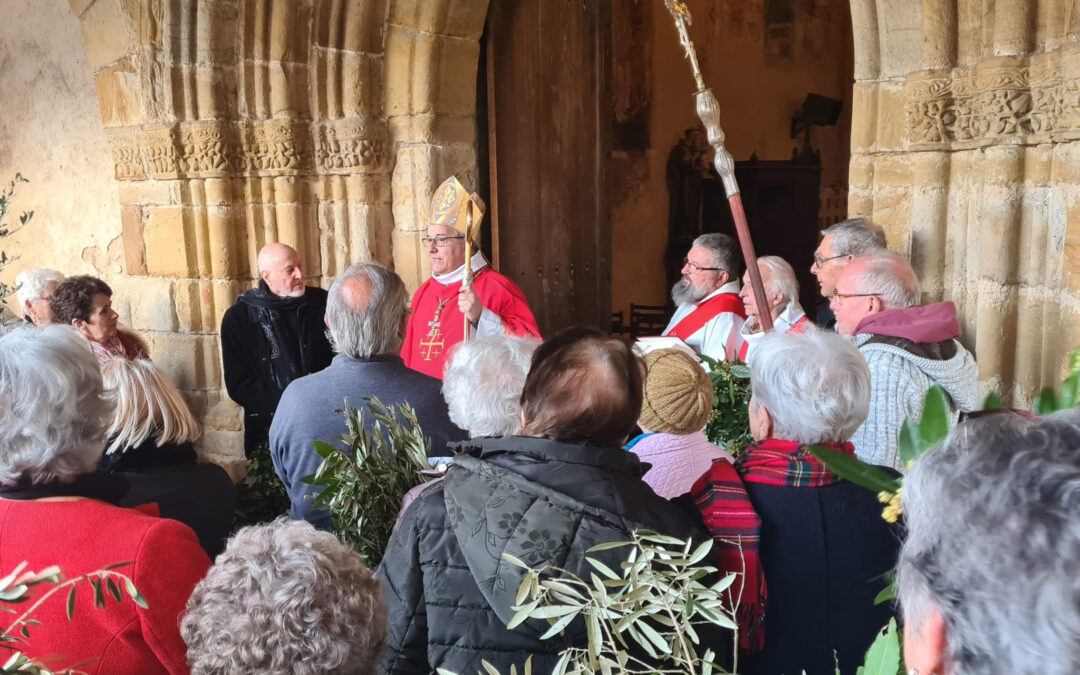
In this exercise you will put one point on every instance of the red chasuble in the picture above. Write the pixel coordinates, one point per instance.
(436, 321)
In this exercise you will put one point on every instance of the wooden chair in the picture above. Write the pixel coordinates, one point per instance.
(647, 320)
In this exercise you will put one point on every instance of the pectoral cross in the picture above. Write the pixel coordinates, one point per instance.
(433, 345)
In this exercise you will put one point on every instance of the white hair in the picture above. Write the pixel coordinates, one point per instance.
(855, 236)
(781, 278)
(285, 599)
(375, 328)
(32, 281)
(483, 382)
(891, 278)
(53, 409)
(148, 406)
(815, 386)
(993, 544)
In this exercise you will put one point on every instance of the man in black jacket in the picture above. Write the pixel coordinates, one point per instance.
(274, 334)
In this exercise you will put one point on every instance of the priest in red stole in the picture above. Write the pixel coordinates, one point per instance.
(710, 312)
(493, 303)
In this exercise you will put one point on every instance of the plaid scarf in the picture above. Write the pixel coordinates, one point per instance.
(776, 462)
(730, 518)
(720, 496)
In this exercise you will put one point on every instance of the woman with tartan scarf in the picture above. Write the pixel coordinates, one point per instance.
(818, 540)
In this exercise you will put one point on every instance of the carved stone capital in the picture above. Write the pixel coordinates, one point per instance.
(350, 145)
(275, 147)
(999, 100)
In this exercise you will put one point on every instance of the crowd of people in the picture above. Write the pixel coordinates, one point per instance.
(545, 449)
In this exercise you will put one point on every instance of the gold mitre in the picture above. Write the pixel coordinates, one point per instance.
(452, 204)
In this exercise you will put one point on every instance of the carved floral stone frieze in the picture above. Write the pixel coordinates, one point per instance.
(349, 145)
(1001, 100)
(265, 147)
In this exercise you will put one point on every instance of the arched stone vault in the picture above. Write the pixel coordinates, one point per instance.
(964, 147)
(325, 124)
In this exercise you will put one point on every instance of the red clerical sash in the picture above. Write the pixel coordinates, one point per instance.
(704, 312)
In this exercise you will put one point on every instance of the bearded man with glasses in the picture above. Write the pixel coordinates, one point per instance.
(494, 304)
(709, 311)
(909, 348)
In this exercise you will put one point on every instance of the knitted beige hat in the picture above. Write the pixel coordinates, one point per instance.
(678, 395)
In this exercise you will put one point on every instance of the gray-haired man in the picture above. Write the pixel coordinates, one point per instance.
(35, 286)
(840, 243)
(366, 311)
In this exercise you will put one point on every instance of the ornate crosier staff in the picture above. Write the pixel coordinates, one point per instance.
(467, 276)
(708, 109)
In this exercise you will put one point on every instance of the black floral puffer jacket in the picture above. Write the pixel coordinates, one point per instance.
(448, 590)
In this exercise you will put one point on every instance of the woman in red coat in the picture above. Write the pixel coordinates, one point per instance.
(54, 511)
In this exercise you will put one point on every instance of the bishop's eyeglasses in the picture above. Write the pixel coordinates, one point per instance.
(439, 242)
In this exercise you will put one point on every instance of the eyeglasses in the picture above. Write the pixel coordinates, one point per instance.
(439, 242)
(841, 296)
(818, 262)
(698, 268)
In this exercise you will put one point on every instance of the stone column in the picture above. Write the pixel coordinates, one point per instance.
(431, 56)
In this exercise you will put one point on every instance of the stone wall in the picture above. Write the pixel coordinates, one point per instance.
(51, 133)
(965, 148)
(324, 124)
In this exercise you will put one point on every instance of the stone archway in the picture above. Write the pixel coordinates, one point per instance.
(325, 124)
(964, 147)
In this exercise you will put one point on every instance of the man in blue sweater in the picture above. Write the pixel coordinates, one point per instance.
(366, 312)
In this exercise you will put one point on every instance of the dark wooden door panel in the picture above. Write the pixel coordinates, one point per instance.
(548, 104)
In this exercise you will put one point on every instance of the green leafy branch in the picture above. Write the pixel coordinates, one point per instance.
(885, 654)
(365, 480)
(6, 195)
(17, 587)
(656, 603)
(729, 423)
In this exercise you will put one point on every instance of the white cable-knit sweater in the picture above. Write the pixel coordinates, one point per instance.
(899, 381)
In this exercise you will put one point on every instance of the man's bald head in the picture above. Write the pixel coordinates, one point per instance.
(279, 267)
(366, 311)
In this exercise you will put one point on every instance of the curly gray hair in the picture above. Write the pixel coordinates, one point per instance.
(856, 236)
(285, 598)
(54, 412)
(483, 382)
(816, 386)
(993, 544)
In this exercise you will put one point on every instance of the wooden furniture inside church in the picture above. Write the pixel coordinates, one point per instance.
(781, 199)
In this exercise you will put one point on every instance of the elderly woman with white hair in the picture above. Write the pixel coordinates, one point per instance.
(822, 544)
(54, 416)
(150, 442)
(482, 387)
(989, 573)
(782, 299)
(285, 599)
(483, 382)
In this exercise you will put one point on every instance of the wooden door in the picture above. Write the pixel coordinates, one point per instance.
(549, 130)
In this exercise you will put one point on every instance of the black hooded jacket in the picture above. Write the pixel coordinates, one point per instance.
(267, 342)
(448, 590)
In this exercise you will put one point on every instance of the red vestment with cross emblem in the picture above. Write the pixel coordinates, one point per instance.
(436, 322)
